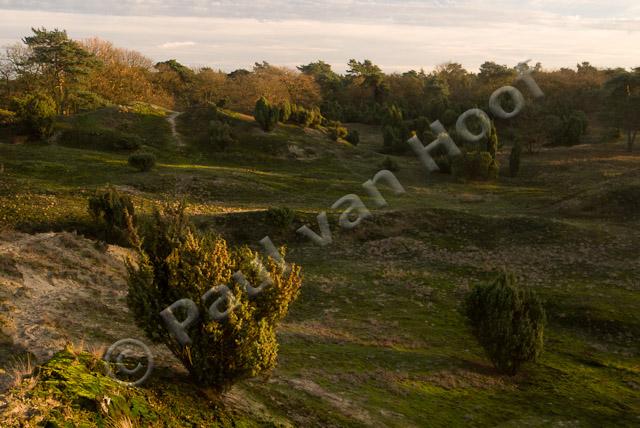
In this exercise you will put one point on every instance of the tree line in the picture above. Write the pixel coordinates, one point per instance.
(71, 76)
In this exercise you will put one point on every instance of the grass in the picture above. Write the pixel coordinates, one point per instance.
(377, 336)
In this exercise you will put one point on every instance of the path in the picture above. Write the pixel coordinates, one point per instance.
(171, 118)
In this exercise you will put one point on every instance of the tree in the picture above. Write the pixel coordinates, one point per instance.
(60, 61)
(508, 321)
(457, 79)
(370, 76)
(176, 79)
(328, 80)
(623, 96)
(490, 72)
(266, 115)
(123, 75)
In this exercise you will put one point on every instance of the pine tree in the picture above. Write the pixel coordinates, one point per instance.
(61, 60)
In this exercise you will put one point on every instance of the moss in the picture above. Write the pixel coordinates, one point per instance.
(71, 389)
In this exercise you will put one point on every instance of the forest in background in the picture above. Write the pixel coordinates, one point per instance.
(74, 76)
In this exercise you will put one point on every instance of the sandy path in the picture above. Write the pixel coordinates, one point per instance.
(171, 118)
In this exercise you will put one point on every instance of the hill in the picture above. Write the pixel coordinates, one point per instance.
(377, 337)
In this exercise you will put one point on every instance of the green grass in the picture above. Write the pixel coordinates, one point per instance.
(377, 336)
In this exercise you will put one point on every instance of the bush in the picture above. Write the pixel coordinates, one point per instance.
(508, 322)
(492, 141)
(7, 117)
(316, 117)
(353, 137)
(389, 164)
(285, 111)
(337, 132)
(514, 159)
(392, 117)
(142, 161)
(281, 217)
(449, 117)
(220, 136)
(390, 137)
(440, 156)
(176, 262)
(475, 166)
(115, 212)
(87, 101)
(420, 125)
(100, 139)
(566, 129)
(266, 115)
(36, 113)
(608, 135)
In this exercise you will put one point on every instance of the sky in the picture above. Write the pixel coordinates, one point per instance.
(396, 35)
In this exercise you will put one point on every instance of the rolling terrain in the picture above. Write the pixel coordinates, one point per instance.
(377, 337)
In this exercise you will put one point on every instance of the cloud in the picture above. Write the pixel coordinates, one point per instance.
(174, 45)
(468, 32)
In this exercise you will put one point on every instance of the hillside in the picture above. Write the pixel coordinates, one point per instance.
(377, 337)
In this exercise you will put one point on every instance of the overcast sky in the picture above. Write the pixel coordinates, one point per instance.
(397, 35)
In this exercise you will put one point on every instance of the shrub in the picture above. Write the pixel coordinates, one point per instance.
(220, 136)
(285, 111)
(332, 110)
(142, 161)
(281, 217)
(389, 164)
(114, 211)
(87, 101)
(420, 125)
(508, 321)
(475, 166)
(266, 115)
(316, 117)
(100, 139)
(395, 131)
(514, 159)
(390, 137)
(307, 118)
(392, 117)
(36, 113)
(449, 117)
(353, 137)
(566, 129)
(7, 117)
(440, 156)
(608, 135)
(337, 132)
(176, 262)
(492, 141)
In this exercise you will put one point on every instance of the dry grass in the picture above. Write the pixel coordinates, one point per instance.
(21, 368)
(121, 422)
